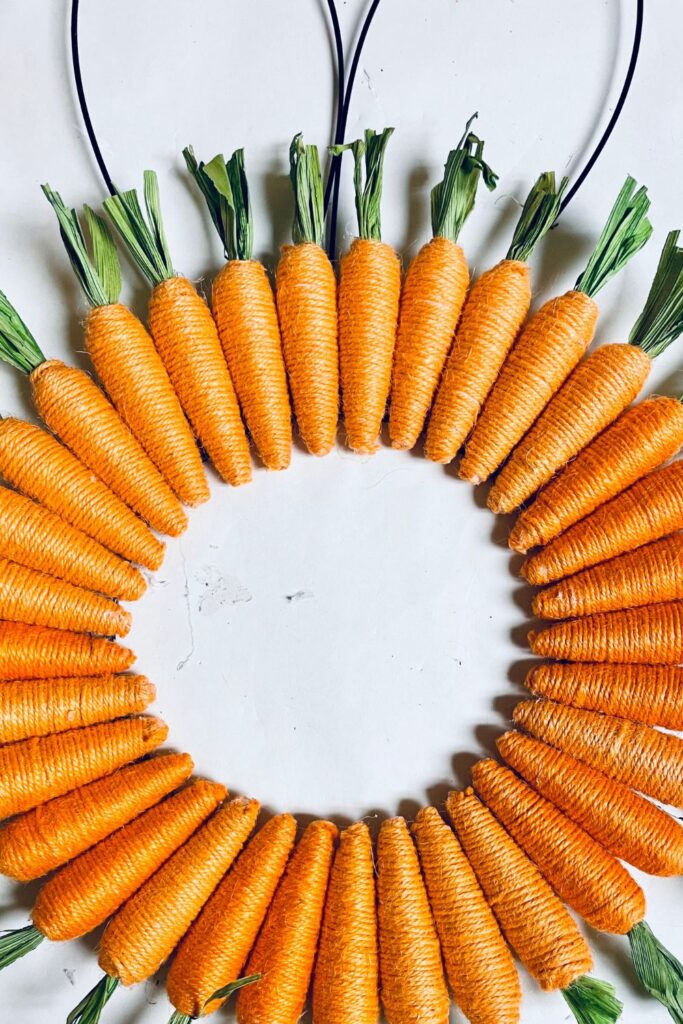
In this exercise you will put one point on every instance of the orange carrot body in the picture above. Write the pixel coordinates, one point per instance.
(246, 318)
(75, 409)
(652, 634)
(534, 921)
(185, 335)
(631, 827)
(651, 694)
(479, 966)
(650, 574)
(492, 317)
(648, 510)
(45, 767)
(37, 599)
(91, 888)
(369, 292)
(56, 832)
(432, 298)
(35, 537)
(306, 291)
(35, 652)
(413, 988)
(547, 351)
(345, 987)
(598, 390)
(628, 752)
(36, 463)
(285, 950)
(583, 874)
(640, 440)
(136, 381)
(39, 707)
(215, 949)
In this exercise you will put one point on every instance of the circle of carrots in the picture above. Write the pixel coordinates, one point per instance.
(479, 966)
(346, 980)
(413, 987)
(43, 839)
(216, 947)
(36, 652)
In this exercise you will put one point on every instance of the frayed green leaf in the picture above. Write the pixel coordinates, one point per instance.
(368, 160)
(307, 184)
(224, 993)
(453, 198)
(180, 1018)
(15, 944)
(538, 215)
(18, 347)
(89, 1010)
(658, 970)
(625, 233)
(144, 238)
(226, 191)
(593, 1001)
(100, 275)
(661, 320)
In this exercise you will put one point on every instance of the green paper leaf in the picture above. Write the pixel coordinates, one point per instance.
(18, 943)
(368, 161)
(453, 198)
(538, 215)
(592, 1001)
(307, 183)
(144, 238)
(89, 1010)
(661, 320)
(226, 191)
(625, 233)
(658, 970)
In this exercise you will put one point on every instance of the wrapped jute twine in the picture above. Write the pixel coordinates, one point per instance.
(29, 652)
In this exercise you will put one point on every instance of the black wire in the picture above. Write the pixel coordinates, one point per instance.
(630, 72)
(78, 79)
(338, 137)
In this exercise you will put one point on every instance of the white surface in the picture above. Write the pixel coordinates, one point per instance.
(373, 691)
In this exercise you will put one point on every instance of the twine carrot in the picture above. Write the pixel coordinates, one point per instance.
(53, 833)
(345, 986)
(39, 769)
(84, 893)
(369, 291)
(39, 707)
(479, 966)
(306, 290)
(38, 465)
(35, 652)
(285, 950)
(73, 407)
(652, 634)
(628, 825)
(185, 335)
(553, 341)
(532, 918)
(433, 293)
(40, 600)
(244, 310)
(492, 317)
(651, 694)
(598, 390)
(215, 949)
(648, 575)
(651, 508)
(628, 752)
(639, 441)
(413, 988)
(125, 359)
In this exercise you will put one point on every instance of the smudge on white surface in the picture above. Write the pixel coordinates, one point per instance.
(219, 590)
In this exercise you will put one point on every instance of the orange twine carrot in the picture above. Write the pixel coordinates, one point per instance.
(35, 652)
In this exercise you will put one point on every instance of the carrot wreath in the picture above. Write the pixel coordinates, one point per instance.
(532, 918)
(433, 293)
(125, 359)
(84, 893)
(651, 694)
(73, 407)
(553, 341)
(40, 707)
(598, 390)
(216, 947)
(285, 951)
(652, 634)
(41, 600)
(648, 575)
(651, 508)
(639, 441)
(306, 290)
(38, 465)
(369, 291)
(413, 988)
(479, 966)
(53, 833)
(184, 334)
(35, 652)
(628, 825)
(628, 752)
(492, 317)
(345, 985)
(244, 310)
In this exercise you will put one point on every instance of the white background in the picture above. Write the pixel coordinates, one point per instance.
(401, 657)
